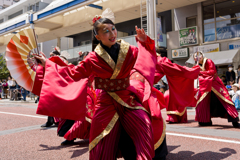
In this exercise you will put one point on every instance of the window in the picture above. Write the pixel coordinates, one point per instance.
(37, 6)
(15, 14)
(1, 21)
(191, 21)
(221, 20)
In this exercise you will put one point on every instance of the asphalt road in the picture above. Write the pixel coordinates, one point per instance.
(22, 138)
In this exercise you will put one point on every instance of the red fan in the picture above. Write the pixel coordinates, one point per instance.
(20, 58)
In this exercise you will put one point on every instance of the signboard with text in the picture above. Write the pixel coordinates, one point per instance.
(207, 48)
(188, 36)
(180, 53)
(234, 45)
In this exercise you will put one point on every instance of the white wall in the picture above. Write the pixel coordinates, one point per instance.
(181, 14)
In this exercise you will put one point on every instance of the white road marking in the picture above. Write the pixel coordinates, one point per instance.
(18, 114)
(205, 138)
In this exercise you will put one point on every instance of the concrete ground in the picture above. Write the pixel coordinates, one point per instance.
(22, 138)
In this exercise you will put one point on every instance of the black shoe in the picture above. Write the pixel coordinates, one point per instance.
(67, 142)
(236, 124)
(205, 123)
(47, 124)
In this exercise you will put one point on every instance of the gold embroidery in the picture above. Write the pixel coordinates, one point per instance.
(176, 113)
(132, 98)
(104, 55)
(201, 98)
(221, 96)
(124, 47)
(120, 101)
(221, 90)
(105, 132)
(156, 145)
(88, 119)
(204, 63)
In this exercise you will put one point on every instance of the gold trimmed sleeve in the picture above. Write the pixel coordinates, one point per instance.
(177, 113)
(156, 145)
(105, 132)
(221, 96)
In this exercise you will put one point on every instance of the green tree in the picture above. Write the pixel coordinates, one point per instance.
(4, 72)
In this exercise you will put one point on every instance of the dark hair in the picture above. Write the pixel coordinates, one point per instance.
(56, 52)
(158, 50)
(80, 58)
(95, 30)
(63, 57)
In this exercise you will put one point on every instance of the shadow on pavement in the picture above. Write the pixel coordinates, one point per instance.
(189, 155)
(78, 148)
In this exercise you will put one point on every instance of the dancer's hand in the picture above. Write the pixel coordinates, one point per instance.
(141, 35)
(42, 58)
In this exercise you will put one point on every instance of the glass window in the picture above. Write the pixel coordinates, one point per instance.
(208, 14)
(227, 10)
(228, 29)
(209, 32)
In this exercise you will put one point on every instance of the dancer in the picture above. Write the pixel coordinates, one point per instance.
(213, 99)
(181, 88)
(51, 120)
(117, 107)
(70, 129)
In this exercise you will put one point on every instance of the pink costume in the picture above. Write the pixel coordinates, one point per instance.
(211, 92)
(117, 106)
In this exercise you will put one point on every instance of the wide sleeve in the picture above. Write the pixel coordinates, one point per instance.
(210, 68)
(181, 83)
(64, 90)
(146, 63)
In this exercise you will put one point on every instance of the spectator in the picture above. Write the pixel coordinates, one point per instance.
(5, 89)
(230, 75)
(235, 94)
(223, 78)
(12, 86)
(238, 74)
(24, 93)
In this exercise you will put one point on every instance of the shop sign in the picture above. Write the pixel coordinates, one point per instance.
(188, 36)
(234, 45)
(207, 48)
(180, 53)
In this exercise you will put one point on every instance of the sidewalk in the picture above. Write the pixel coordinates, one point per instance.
(28, 100)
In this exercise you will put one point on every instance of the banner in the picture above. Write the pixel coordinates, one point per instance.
(159, 31)
(234, 45)
(180, 53)
(188, 36)
(207, 48)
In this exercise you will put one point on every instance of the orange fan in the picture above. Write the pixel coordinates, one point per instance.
(20, 59)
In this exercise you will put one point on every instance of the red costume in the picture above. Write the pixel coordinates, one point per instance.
(117, 106)
(181, 88)
(214, 100)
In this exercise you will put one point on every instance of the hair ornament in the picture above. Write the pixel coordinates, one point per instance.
(106, 14)
(57, 49)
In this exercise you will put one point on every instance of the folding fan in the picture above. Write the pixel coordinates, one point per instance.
(20, 58)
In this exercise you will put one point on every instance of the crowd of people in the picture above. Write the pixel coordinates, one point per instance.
(9, 88)
(231, 82)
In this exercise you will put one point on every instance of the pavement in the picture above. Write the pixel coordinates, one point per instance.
(22, 138)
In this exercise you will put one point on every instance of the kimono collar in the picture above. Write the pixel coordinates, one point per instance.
(113, 51)
(124, 47)
(204, 63)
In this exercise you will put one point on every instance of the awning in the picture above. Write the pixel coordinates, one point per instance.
(222, 57)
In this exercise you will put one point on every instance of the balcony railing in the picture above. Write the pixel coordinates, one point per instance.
(73, 52)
